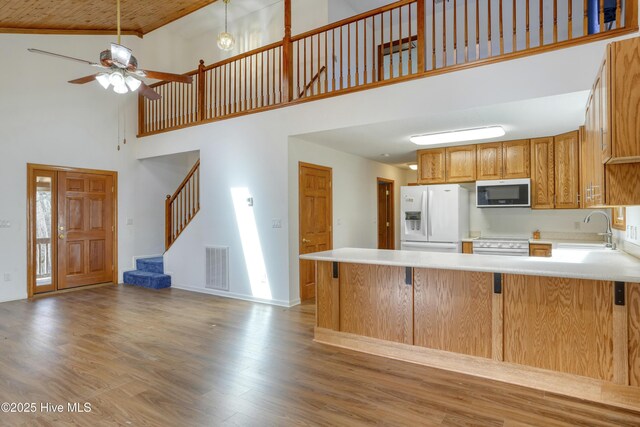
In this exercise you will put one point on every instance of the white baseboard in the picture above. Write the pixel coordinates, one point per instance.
(13, 299)
(232, 295)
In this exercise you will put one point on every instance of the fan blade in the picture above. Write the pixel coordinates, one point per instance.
(149, 93)
(180, 78)
(57, 55)
(83, 80)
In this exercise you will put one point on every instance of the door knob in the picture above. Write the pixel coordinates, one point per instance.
(61, 228)
(306, 241)
(61, 236)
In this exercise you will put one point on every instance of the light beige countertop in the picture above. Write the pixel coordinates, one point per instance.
(598, 264)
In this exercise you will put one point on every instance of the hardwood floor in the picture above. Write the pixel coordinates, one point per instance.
(171, 357)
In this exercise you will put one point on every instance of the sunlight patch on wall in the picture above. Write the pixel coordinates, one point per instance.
(248, 229)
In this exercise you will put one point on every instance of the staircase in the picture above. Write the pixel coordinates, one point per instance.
(149, 274)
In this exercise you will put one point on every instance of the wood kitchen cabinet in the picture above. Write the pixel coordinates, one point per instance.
(515, 159)
(611, 150)
(461, 164)
(540, 250)
(555, 172)
(582, 343)
(503, 160)
(431, 166)
(542, 173)
(489, 161)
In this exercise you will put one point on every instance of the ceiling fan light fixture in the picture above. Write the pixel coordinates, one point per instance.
(120, 88)
(103, 79)
(116, 78)
(225, 39)
(133, 83)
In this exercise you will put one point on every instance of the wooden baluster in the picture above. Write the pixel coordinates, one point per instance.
(341, 61)
(142, 119)
(490, 46)
(466, 31)
(477, 49)
(400, 40)
(541, 2)
(555, 21)
(333, 53)
(585, 18)
(262, 77)
(501, 25)
(228, 77)
(223, 89)
(348, 55)
(268, 77)
(244, 80)
(570, 20)
(381, 50)
(374, 68)
(515, 26)
(410, 43)
(311, 68)
(357, 58)
(444, 34)
(433, 32)
(299, 69)
(619, 14)
(601, 9)
(318, 79)
(455, 32)
(364, 54)
(326, 60)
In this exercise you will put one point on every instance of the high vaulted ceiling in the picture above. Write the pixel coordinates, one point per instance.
(139, 17)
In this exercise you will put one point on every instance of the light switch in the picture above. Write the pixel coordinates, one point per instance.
(7, 277)
(129, 221)
(276, 223)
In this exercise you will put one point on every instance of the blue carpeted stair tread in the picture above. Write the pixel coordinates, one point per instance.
(149, 274)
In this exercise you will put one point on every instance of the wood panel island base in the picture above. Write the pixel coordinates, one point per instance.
(571, 329)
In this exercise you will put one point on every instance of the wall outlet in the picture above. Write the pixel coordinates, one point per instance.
(276, 223)
(129, 221)
(7, 277)
(4, 223)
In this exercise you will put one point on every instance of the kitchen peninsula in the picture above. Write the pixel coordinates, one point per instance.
(569, 326)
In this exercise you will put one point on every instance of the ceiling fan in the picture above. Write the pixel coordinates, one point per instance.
(119, 68)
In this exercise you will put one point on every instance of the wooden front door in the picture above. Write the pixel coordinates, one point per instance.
(386, 235)
(315, 213)
(85, 229)
(72, 226)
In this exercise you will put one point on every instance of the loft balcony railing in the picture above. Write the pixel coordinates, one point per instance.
(404, 40)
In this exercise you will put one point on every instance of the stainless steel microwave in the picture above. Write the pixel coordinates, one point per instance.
(504, 193)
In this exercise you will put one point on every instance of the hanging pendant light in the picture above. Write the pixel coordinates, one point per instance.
(225, 40)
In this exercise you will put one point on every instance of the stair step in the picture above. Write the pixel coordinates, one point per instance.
(151, 265)
(147, 279)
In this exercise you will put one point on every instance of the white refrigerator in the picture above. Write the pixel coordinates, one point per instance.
(434, 218)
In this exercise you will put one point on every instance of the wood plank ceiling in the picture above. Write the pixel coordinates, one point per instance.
(139, 17)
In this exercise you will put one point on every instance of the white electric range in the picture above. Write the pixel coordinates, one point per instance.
(510, 246)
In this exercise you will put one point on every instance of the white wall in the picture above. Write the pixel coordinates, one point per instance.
(45, 120)
(355, 210)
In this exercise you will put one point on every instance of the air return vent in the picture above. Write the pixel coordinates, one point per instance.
(217, 264)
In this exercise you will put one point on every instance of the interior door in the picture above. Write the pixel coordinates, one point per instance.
(442, 216)
(85, 229)
(315, 213)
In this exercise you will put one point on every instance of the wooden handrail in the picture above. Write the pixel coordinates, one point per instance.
(182, 206)
(353, 19)
(365, 51)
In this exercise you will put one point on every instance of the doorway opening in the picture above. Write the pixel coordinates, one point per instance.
(72, 228)
(386, 220)
(315, 213)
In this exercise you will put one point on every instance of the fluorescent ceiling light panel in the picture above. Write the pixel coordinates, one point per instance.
(459, 135)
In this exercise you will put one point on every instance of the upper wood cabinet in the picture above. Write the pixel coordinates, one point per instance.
(461, 163)
(542, 173)
(515, 159)
(431, 166)
(611, 148)
(489, 161)
(555, 172)
(567, 170)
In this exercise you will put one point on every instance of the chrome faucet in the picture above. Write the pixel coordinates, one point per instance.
(609, 233)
